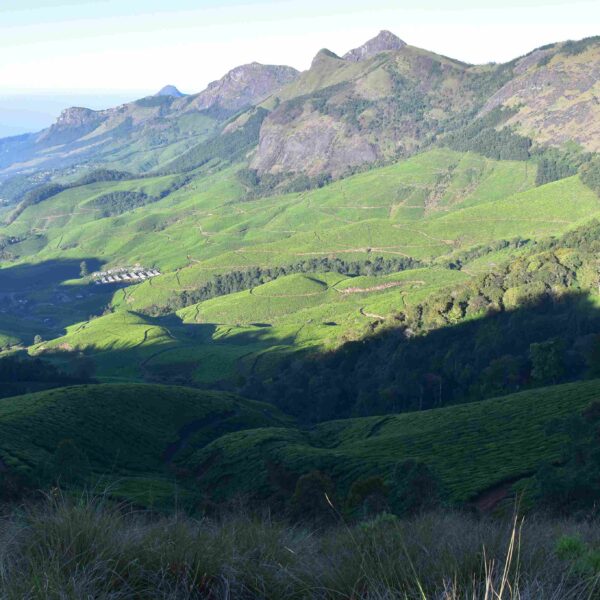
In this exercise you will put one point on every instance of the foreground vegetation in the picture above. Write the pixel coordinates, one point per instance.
(80, 547)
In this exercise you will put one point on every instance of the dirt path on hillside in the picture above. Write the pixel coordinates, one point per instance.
(426, 235)
(377, 288)
(489, 499)
(370, 315)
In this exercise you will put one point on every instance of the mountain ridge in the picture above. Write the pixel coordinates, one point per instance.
(378, 102)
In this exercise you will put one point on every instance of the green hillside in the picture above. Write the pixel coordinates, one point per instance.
(472, 447)
(426, 208)
(122, 431)
(134, 435)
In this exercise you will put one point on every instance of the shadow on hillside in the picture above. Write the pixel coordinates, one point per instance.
(548, 341)
(27, 277)
(36, 300)
(551, 339)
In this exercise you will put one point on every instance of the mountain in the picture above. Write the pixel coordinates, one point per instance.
(385, 41)
(387, 99)
(381, 101)
(390, 231)
(555, 95)
(141, 135)
(242, 87)
(170, 90)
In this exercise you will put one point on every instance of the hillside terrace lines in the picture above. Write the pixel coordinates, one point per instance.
(304, 295)
(516, 220)
(370, 315)
(361, 250)
(430, 237)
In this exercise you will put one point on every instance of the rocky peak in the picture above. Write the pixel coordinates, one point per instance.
(384, 41)
(244, 86)
(76, 116)
(170, 90)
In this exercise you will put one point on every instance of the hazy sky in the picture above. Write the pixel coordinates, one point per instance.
(136, 46)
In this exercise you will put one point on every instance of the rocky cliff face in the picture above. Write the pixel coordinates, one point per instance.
(556, 94)
(381, 101)
(386, 99)
(76, 117)
(385, 41)
(361, 108)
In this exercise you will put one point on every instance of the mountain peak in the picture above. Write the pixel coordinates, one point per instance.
(384, 41)
(323, 55)
(243, 86)
(170, 90)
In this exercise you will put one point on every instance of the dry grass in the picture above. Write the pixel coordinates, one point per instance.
(67, 548)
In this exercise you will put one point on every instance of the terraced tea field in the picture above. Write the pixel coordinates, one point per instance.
(427, 207)
(501, 439)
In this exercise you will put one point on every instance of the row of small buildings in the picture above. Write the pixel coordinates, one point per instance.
(125, 276)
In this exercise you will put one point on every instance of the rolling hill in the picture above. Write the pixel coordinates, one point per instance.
(389, 231)
(144, 439)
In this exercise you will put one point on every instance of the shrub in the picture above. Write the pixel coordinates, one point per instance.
(415, 488)
(313, 498)
(368, 497)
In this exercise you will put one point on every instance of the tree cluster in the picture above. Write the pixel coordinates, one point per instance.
(237, 281)
(527, 324)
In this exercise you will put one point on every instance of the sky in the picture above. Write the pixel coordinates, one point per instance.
(59, 49)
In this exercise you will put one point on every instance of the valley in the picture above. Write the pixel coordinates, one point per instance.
(376, 280)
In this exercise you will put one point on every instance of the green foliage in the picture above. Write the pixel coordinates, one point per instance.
(415, 488)
(266, 184)
(419, 361)
(368, 497)
(34, 197)
(313, 498)
(468, 447)
(590, 174)
(583, 558)
(572, 47)
(230, 147)
(483, 136)
(117, 429)
(547, 361)
(236, 281)
(116, 203)
(574, 485)
(555, 164)
(67, 466)
(101, 175)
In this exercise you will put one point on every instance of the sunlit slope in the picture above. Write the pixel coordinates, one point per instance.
(205, 218)
(237, 333)
(472, 447)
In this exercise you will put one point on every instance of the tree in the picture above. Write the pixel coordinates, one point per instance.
(368, 497)
(575, 484)
(37, 339)
(83, 269)
(547, 361)
(415, 488)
